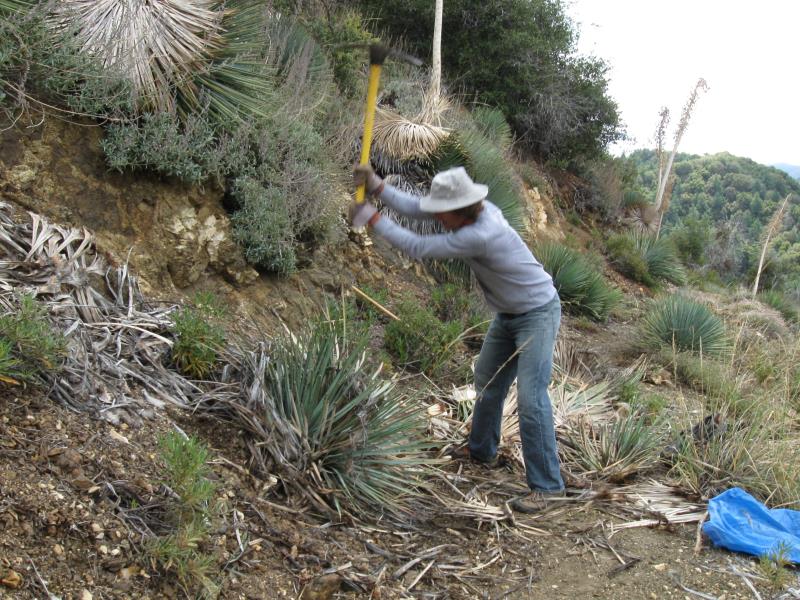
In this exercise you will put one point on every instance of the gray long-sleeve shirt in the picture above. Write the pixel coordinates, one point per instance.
(512, 280)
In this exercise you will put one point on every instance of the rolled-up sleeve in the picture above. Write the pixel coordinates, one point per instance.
(463, 243)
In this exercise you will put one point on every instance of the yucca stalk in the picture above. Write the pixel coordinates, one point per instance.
(771, 229)
(664, 173)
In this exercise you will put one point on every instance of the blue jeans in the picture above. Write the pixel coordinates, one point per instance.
(534, 334)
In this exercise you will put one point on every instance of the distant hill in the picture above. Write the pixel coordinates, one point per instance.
(731, 198)
(792, 170)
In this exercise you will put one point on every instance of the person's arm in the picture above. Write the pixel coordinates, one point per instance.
(462, 243)
(402, 202)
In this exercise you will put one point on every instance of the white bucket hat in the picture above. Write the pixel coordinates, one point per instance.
(452, 189)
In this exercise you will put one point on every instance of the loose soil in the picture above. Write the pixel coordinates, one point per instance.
(70, 488)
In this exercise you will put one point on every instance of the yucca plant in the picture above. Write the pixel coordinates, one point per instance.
(756, 451)
(645, 258)
(683, 324)
(336, 435)
(486, 163)
(492, 124)
(614, 451)
(662, 259)
(580, 286)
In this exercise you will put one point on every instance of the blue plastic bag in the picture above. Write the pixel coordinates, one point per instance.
(739, 522)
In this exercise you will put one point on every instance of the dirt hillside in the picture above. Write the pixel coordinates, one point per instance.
(78, 493)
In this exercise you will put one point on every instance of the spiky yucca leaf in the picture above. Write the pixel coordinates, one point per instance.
(613, 451)
(678, 322)
(339, 437)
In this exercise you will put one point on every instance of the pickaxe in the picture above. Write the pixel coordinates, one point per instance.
(377, 55)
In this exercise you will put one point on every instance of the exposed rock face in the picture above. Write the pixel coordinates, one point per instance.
(174, 233)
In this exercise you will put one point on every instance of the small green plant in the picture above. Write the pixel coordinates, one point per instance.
(581, 287)
(629, 392)
(774, 567)
(650, 405)
(198, 337)
(420, 339)
(180, 552)
(9, 364)
(683, 324)
(452, 303)
(29, 346)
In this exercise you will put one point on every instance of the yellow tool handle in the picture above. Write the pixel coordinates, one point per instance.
(369, 121)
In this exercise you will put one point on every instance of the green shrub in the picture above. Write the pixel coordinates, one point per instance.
(341, 34)
(198, 337)
(683, 324)
(650, 405)
(628, 260)
(645, 258)
(179, 553)
(580, 286)
(67, 78)
(780, 302)
(162, 143)
(419, 339)
(29, 345)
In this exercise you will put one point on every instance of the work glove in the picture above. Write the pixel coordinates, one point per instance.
(360, 214)
(363, 174)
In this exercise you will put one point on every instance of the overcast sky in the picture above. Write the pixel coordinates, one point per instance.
(748, 51)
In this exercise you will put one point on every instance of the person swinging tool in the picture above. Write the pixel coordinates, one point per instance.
(527, 308)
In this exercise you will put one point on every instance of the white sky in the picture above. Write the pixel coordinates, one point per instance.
(747, 50)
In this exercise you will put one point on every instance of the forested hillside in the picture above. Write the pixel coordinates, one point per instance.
(722, 203)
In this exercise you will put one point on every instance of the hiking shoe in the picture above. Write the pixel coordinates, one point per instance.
(462, 453)
(535, 502)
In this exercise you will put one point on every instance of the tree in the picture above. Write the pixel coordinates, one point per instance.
(517, 56)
